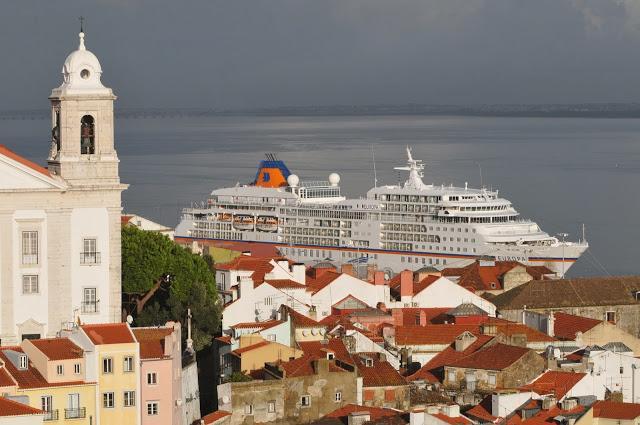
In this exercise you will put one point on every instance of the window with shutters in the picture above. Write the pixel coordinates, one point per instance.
(30, 248)
(30, 284)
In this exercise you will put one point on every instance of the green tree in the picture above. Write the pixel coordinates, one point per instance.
(161, 280)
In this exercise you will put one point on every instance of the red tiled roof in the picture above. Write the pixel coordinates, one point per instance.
(318, 349)
(433, 315)
(300, 320)
(58, 348)
(24, 161)
(432, 370)
(555, 382)
(225, 339)
(316, 284)
(257, 325)
(394, 283)
(615, 410)
(151, 341)
(431, 334)
(459, 420)
(284, 284)
(486, 278)
(482, 410)
(380, 374)
(303, 366)
(125, 219)
(13, 408)
(259, 266)
(214, 416)
(495, 357)
(375, 413)
(238, 352)
(5, 378)
(567, 325)
(30, 377)
(545, 417)
(108, 333)
(509, 328)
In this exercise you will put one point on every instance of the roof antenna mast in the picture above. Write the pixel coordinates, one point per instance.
(81, 19)
(375, 175)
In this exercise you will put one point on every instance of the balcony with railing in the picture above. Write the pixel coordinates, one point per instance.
(50, 415)
(76, 413)
(89, 258)
(89, 307)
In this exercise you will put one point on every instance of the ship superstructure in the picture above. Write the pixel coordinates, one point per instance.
(396, 227)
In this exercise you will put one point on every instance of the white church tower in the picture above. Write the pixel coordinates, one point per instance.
(60, 256)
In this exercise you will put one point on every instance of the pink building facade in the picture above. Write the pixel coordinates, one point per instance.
(160, 374)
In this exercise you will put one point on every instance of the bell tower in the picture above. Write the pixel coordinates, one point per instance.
(82, 148)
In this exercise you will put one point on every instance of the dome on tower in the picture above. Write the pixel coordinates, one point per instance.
(81, 72)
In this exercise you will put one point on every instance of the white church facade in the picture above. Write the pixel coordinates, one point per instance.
(60, 257)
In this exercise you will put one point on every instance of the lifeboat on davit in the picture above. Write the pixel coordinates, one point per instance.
(243, 222)
(267, 223)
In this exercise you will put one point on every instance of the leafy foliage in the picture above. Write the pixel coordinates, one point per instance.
(239, 377)
(147, 258)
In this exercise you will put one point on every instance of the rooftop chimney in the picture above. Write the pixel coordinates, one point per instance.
(378, 278)
(347, 269)
(406, 284)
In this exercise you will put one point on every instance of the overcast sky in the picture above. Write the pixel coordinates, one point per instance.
(241, 53)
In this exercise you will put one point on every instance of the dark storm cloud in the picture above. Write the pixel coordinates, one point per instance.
(236, 53)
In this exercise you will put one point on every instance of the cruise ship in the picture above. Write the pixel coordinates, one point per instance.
(395, 227)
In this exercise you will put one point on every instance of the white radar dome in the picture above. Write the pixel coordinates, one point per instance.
(293, 180)
(334, 179)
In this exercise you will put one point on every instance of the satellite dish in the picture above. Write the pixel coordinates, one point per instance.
(129, 319)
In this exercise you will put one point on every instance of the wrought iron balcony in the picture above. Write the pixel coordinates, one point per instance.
(89, 307)
(89, 258)
(77, 413)
(51, 415)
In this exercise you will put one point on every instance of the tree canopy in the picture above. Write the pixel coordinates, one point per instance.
(161, 280)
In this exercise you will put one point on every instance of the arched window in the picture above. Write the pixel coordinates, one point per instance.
(87, 136)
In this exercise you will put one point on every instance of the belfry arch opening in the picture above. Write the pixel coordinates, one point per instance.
(87, 135)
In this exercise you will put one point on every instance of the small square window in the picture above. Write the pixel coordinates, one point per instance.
(152, 408)
(30, 284)
(611, 316)
(271, 406)
(305, 401)
(338, 397)
(60, 369)
(152, 378)
(248, 409)
(77, 368)
(492, 380)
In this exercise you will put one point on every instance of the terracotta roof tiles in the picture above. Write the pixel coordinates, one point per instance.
(432, 371)
(58, 348)
(430, 334)
(614, 410)
(379, 374)
(239, 351)
(152, 341)
(24, 161)
(580, 292)
(566, 326)
(13, 408)
(458, 420)
(29, 377)
(375, 413)
(558, 383)
(109, 333)
(215, 416)
(495, 357)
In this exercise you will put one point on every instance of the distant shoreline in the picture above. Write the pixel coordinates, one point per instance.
(586, 110)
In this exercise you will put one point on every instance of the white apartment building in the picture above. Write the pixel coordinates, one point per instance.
(60, 225)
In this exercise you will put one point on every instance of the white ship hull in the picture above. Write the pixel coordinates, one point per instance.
(395, 227)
